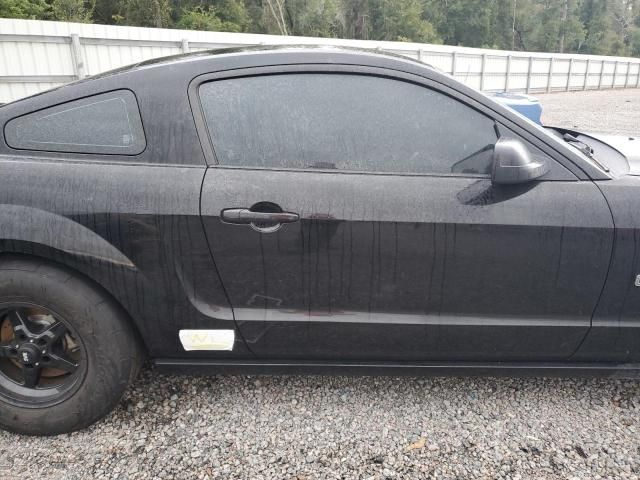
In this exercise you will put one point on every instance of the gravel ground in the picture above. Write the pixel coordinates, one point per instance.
(605, 111)
(340, 427)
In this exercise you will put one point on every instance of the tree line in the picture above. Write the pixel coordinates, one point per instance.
(601, 27)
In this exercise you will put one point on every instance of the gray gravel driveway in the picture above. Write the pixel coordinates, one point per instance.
(343, 428)
(606, 111)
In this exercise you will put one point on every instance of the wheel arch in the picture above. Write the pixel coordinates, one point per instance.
(19, 250)
(34, 225)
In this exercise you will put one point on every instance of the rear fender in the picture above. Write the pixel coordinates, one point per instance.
(33, 225)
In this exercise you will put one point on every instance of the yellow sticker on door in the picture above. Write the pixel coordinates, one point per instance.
(193, 340)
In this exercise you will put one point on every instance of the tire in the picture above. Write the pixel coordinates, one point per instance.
(100, 351)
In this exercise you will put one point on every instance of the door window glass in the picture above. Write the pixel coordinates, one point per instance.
(344, 122)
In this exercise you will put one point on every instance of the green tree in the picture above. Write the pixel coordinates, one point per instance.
(583, 26)
(596, 17)
(106, 11)
(354, 18)
(223, 16)
(317, 18)
(624, 15)
(558, 26)
(145, 13)
(462, 22)
(200, 18)
(274, 17)
(635, 42)
(572, 32)
(72, 10)
(401, 20)
(34, 9)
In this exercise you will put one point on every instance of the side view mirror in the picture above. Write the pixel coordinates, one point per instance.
(512, 163)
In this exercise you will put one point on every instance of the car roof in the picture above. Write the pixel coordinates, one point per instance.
(312, 50)
(286, 54)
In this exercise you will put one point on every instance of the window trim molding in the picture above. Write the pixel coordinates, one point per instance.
(478, 176)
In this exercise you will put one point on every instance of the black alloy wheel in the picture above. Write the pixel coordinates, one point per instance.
(42, 361)
(68, 351)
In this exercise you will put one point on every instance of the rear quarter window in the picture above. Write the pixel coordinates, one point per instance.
(107, 123)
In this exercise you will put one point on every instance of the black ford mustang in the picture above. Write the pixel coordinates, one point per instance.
(293, 209)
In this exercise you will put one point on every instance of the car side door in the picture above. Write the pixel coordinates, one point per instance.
(352, 217)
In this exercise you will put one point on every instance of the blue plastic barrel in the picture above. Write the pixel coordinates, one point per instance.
(523, 104)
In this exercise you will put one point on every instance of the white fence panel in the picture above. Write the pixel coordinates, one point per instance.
(38, 55)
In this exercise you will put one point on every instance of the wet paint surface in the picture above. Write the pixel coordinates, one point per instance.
(615, 334)
(398, 267)
(384, 267)
(144, 244)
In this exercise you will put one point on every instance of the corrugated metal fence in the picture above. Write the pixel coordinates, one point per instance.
(37, 55)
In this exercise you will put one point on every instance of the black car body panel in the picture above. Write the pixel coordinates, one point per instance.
(133, 229)
(615, 334)
(381, 267)
(469, 265)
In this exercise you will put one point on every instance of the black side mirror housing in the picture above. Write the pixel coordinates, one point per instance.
(512, 163)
